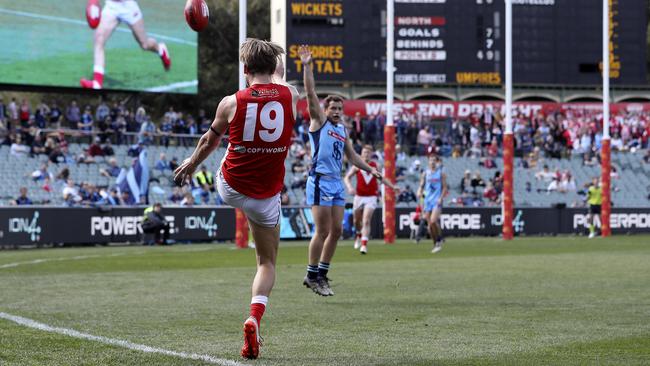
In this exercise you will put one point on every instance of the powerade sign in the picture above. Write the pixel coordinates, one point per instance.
(619, 221)
(121, 225)
(527, 221)
(454, 221)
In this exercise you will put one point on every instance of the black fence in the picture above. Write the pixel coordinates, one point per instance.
(49, 225)
(527, 221)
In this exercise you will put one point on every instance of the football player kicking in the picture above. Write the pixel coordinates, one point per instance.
(114, 13)
(365, 198)
(260, 120)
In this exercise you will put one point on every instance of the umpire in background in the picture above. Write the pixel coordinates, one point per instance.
(154, 222)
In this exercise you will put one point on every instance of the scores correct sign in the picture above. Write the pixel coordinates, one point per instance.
(462, 41)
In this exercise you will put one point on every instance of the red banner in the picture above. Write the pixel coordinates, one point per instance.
(442, 109)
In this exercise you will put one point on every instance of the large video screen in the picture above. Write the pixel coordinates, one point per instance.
(49, 43)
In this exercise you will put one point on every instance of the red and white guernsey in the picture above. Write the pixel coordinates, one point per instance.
(367, 185)
(260, 136)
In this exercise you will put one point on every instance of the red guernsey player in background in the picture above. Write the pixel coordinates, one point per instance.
(365, 198)
(260, 119)
(114, 13)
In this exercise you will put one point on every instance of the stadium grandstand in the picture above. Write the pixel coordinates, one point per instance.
(557, 154)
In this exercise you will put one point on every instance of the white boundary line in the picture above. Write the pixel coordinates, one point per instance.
(59, 259)
(174, 86)
(116, 342)
(79, 257)
(80, 22)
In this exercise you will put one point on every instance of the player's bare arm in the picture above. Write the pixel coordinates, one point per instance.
(357, 161)
(444, 187)
(317, 116)
(389, 184)
(209, 141)
(348, 179)
(421, 186)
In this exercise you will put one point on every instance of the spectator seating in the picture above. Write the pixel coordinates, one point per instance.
(630, 189)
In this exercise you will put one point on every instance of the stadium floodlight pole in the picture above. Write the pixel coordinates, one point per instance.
(508, 143)
(241, 224)
(605, 228)
(389, 128)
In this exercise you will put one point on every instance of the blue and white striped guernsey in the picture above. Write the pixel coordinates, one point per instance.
(327, 146)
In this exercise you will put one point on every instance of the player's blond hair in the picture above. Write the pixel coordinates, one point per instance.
(259, 56)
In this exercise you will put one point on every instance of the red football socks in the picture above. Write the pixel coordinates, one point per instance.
(99, 78)
(258, 306)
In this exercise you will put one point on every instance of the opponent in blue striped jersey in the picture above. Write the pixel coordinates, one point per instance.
(325, 189)
(327, 147)
(433, 188)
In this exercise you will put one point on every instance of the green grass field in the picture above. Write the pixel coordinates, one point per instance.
(46, 42)
(551, 301)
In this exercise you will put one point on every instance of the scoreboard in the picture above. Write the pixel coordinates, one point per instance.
(463, 41)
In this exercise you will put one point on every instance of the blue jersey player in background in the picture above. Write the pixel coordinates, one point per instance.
(325, 188)
(433, 187)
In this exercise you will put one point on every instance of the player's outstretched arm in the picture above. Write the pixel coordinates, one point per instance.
(317, 117)
(421, 186)
(348, 179)
(209, 141)
(357, 161)
(390, 184)
(444, 187)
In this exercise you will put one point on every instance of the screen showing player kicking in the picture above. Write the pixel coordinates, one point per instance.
(142, 45)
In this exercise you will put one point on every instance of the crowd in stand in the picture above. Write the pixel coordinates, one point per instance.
(538, 140)
(35, 130)
(108, 121)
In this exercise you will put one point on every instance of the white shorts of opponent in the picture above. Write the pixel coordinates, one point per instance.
(364, 201)
(264, 212)
(126, 11)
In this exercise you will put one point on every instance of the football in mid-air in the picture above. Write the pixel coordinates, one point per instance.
(197, 14)
(93, 13)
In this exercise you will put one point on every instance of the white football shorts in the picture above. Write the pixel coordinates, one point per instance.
(264, 212)
(364, 201)
(126, 11)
